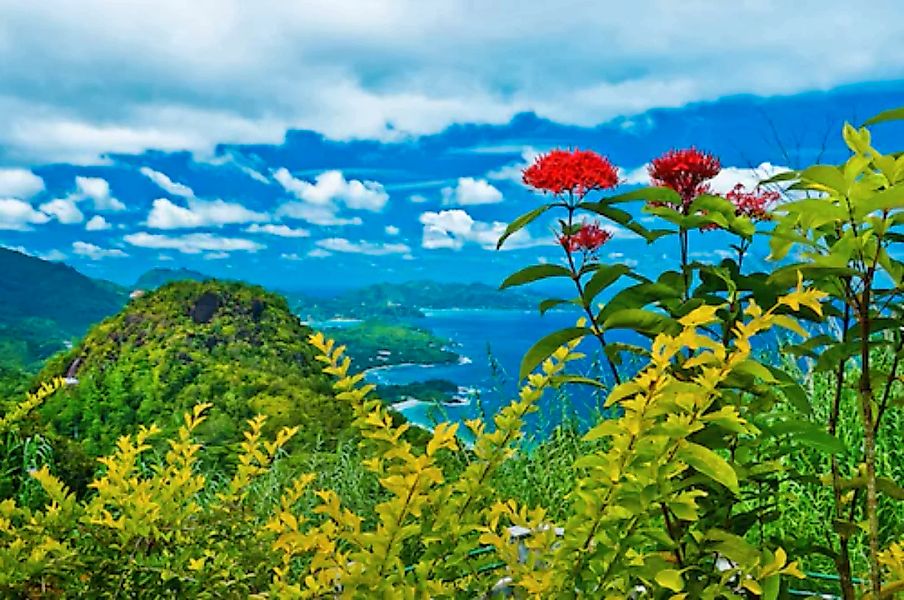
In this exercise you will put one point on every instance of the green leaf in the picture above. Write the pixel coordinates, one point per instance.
(647, 194)
(604, 276)
(807, 433)
(551, 303)
(826, 176)
(895, 114)
(670, 579)
(544, 348)
(522, 222)
(624, 219)
(640, 320)
(534, 273)
(712, 203)
(710, 464)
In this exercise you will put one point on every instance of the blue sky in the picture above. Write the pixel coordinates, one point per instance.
(309, 145)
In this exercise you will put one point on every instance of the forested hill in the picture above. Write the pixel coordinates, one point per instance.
(236, 346)
(388, 300)
(43, 304)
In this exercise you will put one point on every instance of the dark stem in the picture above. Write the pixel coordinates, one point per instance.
(685, 272)
(585, 303)
(843, 560)
(869, 430)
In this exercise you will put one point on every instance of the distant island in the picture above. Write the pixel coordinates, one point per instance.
(398, 301)
(378, 344)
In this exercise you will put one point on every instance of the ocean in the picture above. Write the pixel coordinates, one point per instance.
(491, 344)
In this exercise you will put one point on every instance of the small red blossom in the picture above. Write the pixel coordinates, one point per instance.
(589, 238)
(754, 204)
(571, 171)
(685, 171)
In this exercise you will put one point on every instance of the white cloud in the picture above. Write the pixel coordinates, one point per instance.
(319, 203)
(97, 223)
(293, 256)
(331, 188)
(637, 176)
(469, 191)
(95, 252)
(513, 171)
(362, 247)
(97, 190)
(193, 243)
(216, 255)
(19, 183)
(417, 198)
(200, 213)
(414, 67)
(63, 210)
(454, 228)
(167, 184)
(319, 253)
(391, 230)
(278, 230)
(729, 177)
(18, 215)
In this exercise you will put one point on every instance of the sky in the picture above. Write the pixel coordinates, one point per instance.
(324, 145)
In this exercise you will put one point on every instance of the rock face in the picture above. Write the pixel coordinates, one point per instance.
(205, 308)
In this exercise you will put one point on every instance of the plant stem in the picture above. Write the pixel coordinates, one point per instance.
(869, 434)
(843, 560)
(585, 303)
(685, 272)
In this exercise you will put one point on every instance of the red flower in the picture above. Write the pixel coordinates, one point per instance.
(753, 205)
(685, 171)
(573, 171)
(588, 238)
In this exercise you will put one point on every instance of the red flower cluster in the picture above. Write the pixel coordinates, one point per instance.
(685, 171)
(573, 171)
(588, 238)
(753, 205)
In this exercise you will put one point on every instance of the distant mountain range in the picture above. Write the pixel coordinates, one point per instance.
(407, 300)
(45, 306)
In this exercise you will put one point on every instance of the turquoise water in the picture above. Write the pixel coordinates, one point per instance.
(492, 343)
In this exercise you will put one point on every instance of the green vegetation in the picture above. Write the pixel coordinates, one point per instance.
(378, 344)
(45, 304)
(233, 345)
(153, 279)
(392, 301)
(721, 472)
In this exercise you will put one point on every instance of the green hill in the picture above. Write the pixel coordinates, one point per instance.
(236, 346)
(45, 304)
(155, 278)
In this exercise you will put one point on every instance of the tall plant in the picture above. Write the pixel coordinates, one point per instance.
(847, 233)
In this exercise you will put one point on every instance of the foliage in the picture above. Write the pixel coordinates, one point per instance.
(183, 537)
(845, 223)
(246, 354)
